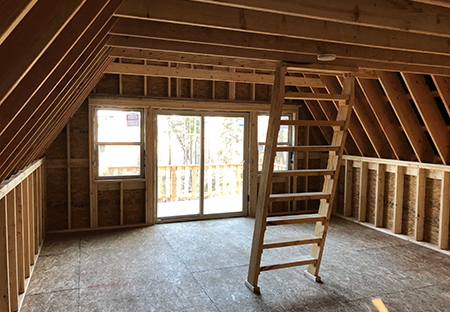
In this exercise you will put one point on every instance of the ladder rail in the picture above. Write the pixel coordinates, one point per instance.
(277, 101)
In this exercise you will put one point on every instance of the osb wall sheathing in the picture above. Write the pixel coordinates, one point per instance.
(371, 184)
(389, 195)
(108, 208)
(409, 205)
(432, 205)
(432, 202)
(56, 178)
(355, 191)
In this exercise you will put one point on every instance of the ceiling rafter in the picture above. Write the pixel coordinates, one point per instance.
(407, 117)
(428, 17)
(44, 18)
(386, 118)
(429, 111)
(245, 20)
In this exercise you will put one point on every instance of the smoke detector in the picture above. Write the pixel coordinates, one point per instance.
(326, 57)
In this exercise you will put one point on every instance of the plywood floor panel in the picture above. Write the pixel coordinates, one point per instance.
(202, 265)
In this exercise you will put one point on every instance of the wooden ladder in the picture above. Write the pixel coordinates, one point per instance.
(330, 174)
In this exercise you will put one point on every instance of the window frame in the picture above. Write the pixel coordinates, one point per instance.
(141, 144)
(289, 141)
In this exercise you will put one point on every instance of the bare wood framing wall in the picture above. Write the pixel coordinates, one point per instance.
(22, 231)
(78, 201)
(407, 198)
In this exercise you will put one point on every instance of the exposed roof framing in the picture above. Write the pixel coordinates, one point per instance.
(393, 44)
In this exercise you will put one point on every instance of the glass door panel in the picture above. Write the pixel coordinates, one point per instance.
(223, 164)
(178, 180)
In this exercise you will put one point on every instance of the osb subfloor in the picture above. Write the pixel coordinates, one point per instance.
(201, 266)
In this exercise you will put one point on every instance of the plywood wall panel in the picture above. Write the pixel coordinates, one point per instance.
(80, 204)
(203, 89)
(221, 90)
(355, 192)
(108, 208)
(389, 191)
(243, 91)
(133, 207)
(371, 187)
(108, 84)
(262, 92)
(409, 205)
(133, 85)
(185, 88)
(432, 206)
(58, 149)
(57, 216)
(79, 133)
(158, 86)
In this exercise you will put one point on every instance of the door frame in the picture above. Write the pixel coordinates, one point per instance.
(245, 178)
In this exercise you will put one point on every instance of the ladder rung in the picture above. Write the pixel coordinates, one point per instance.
(299, 196)
(316, 96)
(302, 172)
(309, 148)
(295, 219)
(290, 262)
(320, 123)
(292, 241)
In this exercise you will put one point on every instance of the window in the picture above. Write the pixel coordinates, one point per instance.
(118, 143)
(282, 159)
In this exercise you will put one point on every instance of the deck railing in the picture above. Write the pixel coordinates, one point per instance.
(182, 182)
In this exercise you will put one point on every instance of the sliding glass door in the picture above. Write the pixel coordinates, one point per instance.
(201, 165)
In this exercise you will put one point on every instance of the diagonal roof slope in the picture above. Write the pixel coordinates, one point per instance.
(51, 56)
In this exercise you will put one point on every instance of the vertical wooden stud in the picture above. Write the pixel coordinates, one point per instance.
(420, 204)
(19, 238)
(362, 212)
(69, 180)
(31, 217)
(444, 211)
(4, 263)
(26, 228)
(121, 202)
(253, 189)
(92, 172)
(232, 87)
(348, 188)
(120, 80)
(398, 199)
(379, 195)
(36, 213)
(145, 81)
(12, 250)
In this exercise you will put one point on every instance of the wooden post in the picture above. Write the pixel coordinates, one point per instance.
(12, 250)
(444, 219)
(121, 202)
(253, 187)
(26, 228)
(173, 179)
(379, 195)
(69, 179)
(4, 263)
(348, 188)
(362, 212)
(31, 218)
(19, 231)
(398, 199)
(420, 205)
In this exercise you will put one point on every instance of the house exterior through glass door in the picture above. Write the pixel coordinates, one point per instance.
(201, 165)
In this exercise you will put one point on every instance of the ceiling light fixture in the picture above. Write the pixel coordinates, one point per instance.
(326, 57)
